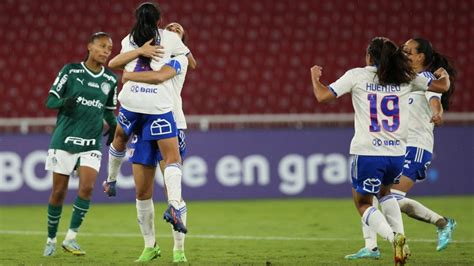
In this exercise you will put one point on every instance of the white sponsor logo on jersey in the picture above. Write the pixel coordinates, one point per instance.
(79, 141)
(93, 84)
(93, 103)
(81, 81)
(76, 71)
(62, 82)
(109, 77)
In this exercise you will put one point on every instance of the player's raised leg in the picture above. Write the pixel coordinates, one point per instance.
(117, 152)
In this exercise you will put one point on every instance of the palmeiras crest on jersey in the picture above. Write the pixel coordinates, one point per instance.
(105, 87)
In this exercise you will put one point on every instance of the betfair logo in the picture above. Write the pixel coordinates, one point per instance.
(79, 141)
(92, 103)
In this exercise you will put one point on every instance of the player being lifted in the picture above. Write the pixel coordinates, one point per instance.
(85, 95)
(426, 110)
(145, 155)
(146, 110)
(380, 94)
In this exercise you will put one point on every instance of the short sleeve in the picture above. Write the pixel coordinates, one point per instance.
(126, 44)
(429, 95)
(60, 83)
(179, 48)
(179, 63)
(344, 84)
(420, 83)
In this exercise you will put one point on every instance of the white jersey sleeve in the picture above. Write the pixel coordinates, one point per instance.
(151, 98)
(431, 77)
(344, 84)
(177, 82)
(173, 46)
(126, 45)
(420, 83)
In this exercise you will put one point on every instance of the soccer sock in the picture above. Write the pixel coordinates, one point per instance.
(392, 212)
(373, 218)
(177, 236)
(173, 176)
(54, 215)
(370, 236)
(146, 221)
(416, 210)
(115, 161)
(79, 211)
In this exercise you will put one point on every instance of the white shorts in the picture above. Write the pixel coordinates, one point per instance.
(63, 162)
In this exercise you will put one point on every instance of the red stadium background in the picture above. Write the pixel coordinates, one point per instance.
(254, 56)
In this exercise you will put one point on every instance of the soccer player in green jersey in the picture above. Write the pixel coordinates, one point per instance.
(85, 95)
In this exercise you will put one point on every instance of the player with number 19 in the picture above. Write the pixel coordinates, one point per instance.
(426, 111)
(380, 94)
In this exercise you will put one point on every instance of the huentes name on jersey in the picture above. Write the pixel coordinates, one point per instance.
(382, 88)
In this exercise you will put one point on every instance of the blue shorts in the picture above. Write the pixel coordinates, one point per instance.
(149, 127)
(417, 161)
(146, 152)
(370, 172)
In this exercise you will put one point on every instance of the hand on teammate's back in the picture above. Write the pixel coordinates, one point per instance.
(441, 72)
(437, 119)
(151, 51)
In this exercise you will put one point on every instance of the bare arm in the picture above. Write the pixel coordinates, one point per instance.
(436, 111)
(321, 92)
(151, 77)
(441, 84)
(146, 50)
(192, 61)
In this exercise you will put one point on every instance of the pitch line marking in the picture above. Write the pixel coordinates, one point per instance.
(226, 237)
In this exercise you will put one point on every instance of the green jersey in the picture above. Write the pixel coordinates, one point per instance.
(80, 129)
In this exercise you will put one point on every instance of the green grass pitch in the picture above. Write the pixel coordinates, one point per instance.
(246, 232)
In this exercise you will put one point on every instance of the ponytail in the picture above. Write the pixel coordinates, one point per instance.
(146, 15)
(393, 66)
(433, 61)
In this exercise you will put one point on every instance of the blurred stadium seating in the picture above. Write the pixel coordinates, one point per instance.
(254, 55)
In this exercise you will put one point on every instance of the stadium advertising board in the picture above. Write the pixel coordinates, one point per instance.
(243, 164)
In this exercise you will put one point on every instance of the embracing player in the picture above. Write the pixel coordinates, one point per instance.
(380, 94)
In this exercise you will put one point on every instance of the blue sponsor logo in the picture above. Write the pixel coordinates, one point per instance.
(387, 142)
(139, 89)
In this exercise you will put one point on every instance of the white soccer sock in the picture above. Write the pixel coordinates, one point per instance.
(172, 175)
(376, 222)
(71, 234)
(177, 236)
(370, 236)
(146, 221)
(51, 240)
(392, 212)
(115, 161)
(415, 209)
